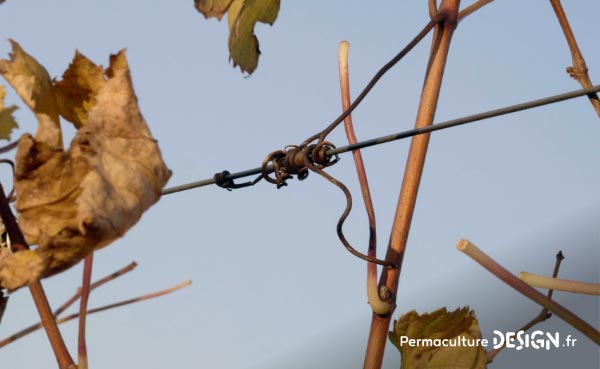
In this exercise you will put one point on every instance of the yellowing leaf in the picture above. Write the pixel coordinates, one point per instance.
(32, 83)
(71, 203)
(7, 121)
(212, 8)
(234, 11)
(242, 18)
(442, 340)
(76, 92)
(243, 44)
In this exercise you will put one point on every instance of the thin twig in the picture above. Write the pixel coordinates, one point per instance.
(37, 291)
(68, 303)
(579, 70)
(380, 73)
(542, 316)
(433, 9)
(9, 147)
(446, 20)
(82, 357)
(378, 306)
(67, 318)
(484, 260)
(93, 286)
(130, 301)
(3, 303)
(472, 8)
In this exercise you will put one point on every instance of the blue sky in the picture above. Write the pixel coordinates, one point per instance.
(272, 285)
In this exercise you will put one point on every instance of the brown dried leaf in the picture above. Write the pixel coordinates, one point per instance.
(71, 203)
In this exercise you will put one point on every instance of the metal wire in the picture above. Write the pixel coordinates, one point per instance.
(413, 132)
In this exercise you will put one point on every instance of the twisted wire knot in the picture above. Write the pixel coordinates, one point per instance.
(293, 159)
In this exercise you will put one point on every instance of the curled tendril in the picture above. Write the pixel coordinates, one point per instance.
(344, 215)
(299, 160)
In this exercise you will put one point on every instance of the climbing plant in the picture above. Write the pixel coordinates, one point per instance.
(71, 201)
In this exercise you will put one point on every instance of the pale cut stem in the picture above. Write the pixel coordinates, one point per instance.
(540, 281)
(499, 271)
(541, 317)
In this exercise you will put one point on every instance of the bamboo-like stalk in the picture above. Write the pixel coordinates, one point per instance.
(447, 19)
(541, 317)
(541, 281)
(37, 291)
(484, 260)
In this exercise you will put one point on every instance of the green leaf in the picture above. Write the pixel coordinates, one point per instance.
(7, 121)
(242, 18)
(432, 329)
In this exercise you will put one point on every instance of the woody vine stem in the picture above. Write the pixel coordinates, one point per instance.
(446, 19)
(37, 292)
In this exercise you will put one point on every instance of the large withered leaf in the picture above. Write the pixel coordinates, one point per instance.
(242, 16)
(439, 325)
(7, 121)
(32, 83)
(71, 203)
